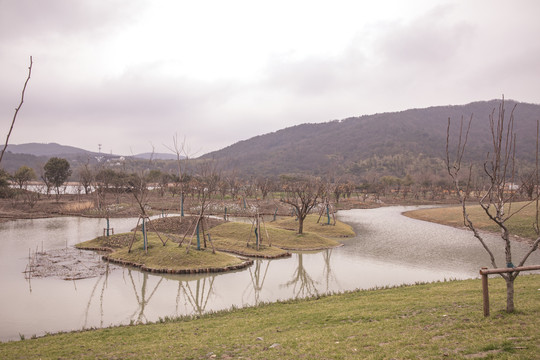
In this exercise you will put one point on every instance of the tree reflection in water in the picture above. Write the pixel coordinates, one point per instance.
(198, 295)
(327, 270)
(105, 278)
(257, 282)
(194, 296)
(302, 283)
(142, 300)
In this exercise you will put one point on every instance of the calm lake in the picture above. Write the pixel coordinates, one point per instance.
(389, 249)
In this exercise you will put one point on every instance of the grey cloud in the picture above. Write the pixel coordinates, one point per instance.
(433, 39)
(20, 19)
(446, 56)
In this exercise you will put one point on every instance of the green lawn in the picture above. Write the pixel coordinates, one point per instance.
(429, 321)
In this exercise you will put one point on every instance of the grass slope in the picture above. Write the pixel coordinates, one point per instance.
(520, 224)
(429, 321)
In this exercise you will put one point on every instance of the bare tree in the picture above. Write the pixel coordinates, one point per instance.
(17, 110)
(86, 177)
(234, 183)
(182, 151)
(498, 200)
(264, 185)
(303, 194)
(528, 184)
(208, 181)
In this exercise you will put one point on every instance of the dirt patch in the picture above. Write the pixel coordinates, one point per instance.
(180, 225)
(109, 243)
(67, 264)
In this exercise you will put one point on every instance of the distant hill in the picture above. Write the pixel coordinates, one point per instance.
(54, 149)
(397, 143)
(49, 150)
(406, 143)
(35, 155)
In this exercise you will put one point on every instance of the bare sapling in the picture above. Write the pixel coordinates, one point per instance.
(302, 194)
(208, 180)
(499, 200)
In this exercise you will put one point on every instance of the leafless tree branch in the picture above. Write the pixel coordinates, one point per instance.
(17, 110)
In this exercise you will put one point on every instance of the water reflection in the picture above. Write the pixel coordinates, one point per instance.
(104, 280)
(257, 280)
(199, 294)
(301, 282)
(405, 252)
(328, 275)
(142, 301)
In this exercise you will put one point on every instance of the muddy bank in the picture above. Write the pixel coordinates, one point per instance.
(68, 264)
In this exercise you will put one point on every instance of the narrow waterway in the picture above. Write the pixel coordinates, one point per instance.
(389, 249)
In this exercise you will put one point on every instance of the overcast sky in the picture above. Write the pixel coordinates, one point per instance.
(129, 74)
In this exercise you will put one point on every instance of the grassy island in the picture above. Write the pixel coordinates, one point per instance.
(163, 259)
(277, 238)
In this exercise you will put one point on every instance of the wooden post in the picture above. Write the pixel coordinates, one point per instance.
(485, 272)
(211, 243)
(145, 239)
(328, 214)
(134, 233)
(198, 236)
(182, 204)
(266, 230)
(258, 231)
(485, 292)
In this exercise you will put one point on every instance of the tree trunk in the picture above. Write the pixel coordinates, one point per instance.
(510, 294)
(300, 225)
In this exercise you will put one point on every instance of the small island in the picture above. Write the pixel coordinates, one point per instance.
(232, 244)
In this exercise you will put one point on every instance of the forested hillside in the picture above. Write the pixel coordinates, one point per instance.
(397, 144)
(409, 145)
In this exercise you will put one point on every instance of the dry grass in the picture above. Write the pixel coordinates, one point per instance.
(339, 230)
(520, 224)
(78, 206)
(281, 238)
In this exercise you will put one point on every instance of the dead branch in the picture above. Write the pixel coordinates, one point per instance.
(17, 110)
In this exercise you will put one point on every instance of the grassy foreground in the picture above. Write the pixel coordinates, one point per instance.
(520, 224)
(428, 321)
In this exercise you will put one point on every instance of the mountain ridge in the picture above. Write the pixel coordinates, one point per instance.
(54, 149)
(404, 143)
(345, 144)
